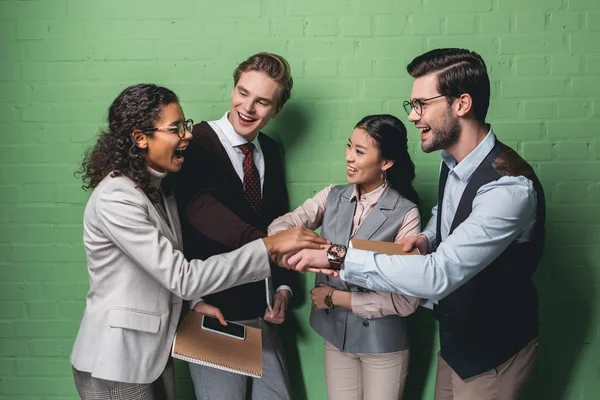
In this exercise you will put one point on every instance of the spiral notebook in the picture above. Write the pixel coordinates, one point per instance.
(196, 345)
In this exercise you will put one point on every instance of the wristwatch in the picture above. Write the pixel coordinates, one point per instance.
(328, 300)
(336, 254)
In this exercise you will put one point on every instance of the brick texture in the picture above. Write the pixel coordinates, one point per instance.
(63, 61)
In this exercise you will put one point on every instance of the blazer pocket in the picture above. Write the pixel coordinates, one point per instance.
(135, 320)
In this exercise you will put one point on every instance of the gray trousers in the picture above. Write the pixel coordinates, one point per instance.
(214, 384)
(90, 388)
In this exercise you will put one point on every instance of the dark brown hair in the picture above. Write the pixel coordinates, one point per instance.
(115, 153)
(459, 71)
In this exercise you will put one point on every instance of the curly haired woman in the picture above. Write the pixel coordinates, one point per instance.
(138, 275)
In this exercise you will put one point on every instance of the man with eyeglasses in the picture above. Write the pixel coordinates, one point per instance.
(481, 246)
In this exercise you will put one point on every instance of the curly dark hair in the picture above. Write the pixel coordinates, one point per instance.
(115, 153)
(390, 135)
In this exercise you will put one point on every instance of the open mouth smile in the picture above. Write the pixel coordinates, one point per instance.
(178, 153)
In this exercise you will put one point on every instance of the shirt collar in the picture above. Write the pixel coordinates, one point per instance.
(466, 167)
(232, 137)
(372, 197)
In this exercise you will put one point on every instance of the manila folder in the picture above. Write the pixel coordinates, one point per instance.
(388, 248)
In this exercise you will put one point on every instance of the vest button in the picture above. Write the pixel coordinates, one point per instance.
(365, 323)
(327, 311)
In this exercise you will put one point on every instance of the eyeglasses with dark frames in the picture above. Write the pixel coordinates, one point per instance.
(179, 129)
(417, 104)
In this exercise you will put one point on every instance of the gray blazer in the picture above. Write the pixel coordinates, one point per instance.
(138, 278)
(339, 326)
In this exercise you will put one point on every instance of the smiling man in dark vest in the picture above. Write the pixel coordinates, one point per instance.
(231, 189)
(481, 245)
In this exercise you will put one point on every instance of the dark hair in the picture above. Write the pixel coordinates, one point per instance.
(137, 107)
(459, 71)
(390, 136)
(275, 67)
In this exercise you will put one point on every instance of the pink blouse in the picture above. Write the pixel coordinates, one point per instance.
(310, 215)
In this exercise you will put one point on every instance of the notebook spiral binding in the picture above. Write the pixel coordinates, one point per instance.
(211, 364)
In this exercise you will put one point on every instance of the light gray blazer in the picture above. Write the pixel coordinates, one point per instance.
(138, 278)
(339, 326)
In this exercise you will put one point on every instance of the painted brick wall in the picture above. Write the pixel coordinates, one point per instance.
(63, 61)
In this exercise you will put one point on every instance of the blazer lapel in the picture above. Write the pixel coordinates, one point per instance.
(175, 226)
(163, 225)
(344, 218)
(378, 215)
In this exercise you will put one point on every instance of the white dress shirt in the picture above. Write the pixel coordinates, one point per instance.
(232, 141)
(503, 211)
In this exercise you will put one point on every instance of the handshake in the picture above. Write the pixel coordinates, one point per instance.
(301, 250)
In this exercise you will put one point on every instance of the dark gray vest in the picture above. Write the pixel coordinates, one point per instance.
(494, 314)
(339, 326)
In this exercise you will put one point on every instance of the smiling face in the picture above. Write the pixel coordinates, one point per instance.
(163, 148)
(437, 123)
(253, 103)
(365, 167)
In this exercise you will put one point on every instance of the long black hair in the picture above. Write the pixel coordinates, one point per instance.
(390, 136)
(137, 107)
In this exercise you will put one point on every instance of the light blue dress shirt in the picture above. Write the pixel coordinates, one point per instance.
(503, 211)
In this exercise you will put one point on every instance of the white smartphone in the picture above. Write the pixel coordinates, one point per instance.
(269, 293)
(232, 329)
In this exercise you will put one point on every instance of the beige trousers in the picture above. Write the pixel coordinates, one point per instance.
(357, 376)
(501, 383)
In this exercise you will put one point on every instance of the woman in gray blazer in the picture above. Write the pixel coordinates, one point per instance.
(137, 272)
(366, 343)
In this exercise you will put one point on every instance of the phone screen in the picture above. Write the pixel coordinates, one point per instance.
(232, 329)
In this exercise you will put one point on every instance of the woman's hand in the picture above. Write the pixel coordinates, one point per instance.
(318, 294)
(292, 240)
(212, 311)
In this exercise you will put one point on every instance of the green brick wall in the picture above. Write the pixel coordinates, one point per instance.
(63, 61)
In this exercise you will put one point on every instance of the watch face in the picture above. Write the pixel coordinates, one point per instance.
(328, 301)
(341, 251)
(336, 252)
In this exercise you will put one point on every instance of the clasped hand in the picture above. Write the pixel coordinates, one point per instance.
(309, 253)
(299, 249)
(307, 260)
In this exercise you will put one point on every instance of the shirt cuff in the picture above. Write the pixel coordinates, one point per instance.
(355, 267)
(430, 238)
(285, 287)
(194, 302)
(428, 304)
(362, 305)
